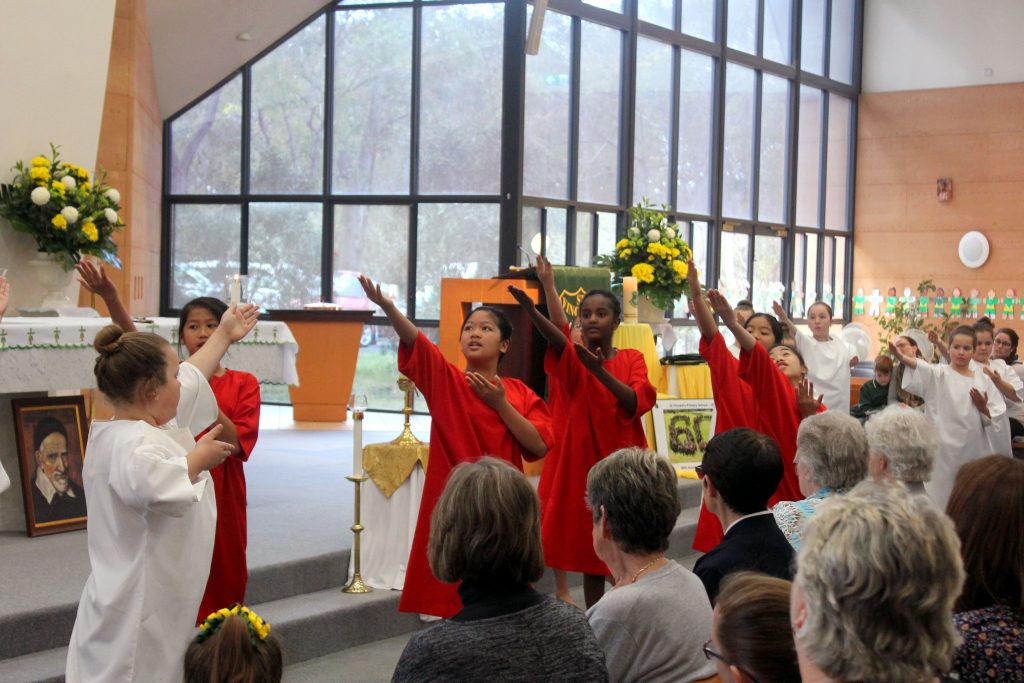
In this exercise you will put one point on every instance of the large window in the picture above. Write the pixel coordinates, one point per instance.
(414, 140)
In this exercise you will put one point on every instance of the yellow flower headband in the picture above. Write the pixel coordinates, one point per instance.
(257, 627)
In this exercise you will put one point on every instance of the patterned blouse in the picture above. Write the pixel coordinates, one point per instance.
(993, 648)
(792, 515)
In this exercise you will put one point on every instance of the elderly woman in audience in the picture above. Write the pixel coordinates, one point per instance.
(831, 458)
(752, 639)
(903, 445)
(876, 579)
(987, 508)
(485, 532)
(652, 623)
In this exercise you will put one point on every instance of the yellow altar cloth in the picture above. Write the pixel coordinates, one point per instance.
(390, 464)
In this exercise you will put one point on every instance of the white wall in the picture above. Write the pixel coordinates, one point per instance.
(922, 44)
(53, 78)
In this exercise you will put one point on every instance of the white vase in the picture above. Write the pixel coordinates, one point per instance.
(60, 287)
(647, 312)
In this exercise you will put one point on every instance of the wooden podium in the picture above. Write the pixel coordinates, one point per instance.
(326, 364)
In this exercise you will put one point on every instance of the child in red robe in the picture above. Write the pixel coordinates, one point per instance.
(607, 392)
(473, 413)
(238, 398)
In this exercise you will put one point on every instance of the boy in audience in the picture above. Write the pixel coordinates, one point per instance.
(740, 472)
(874, 394)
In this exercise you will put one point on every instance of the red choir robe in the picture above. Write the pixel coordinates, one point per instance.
(463, 428)
(557, 406)
(238, 396)
(595, 426)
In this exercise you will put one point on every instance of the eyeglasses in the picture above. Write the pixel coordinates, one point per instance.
(709, 653)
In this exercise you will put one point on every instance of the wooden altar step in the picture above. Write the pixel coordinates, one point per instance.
(303, 601)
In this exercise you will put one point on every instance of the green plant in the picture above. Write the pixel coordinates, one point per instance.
(61, 208)
(907, 317)
(653, 253)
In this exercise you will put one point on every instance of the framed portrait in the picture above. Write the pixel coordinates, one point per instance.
(682, 428)
(51, 434)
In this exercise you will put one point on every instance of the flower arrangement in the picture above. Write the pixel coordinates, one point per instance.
(258, 629)
(59, 205)
(654, 254)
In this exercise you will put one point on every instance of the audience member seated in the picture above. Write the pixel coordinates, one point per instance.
(752, 639)
(987, 508)
(740, 472)
(877, 575)
(233, 646)
(874, 394)
(831, 458)
(903, 444)
(485, 532)
(652, 623)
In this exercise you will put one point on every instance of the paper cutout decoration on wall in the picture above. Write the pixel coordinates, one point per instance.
(956, 303)
(890, 303)
(840, 300)
(922, 302)
(940, 303)
(991, 301)
(796, 302)
(876, 303)
(972, 303)
(908, 299)
(828, 298)
(858, 301)
(1008, 301)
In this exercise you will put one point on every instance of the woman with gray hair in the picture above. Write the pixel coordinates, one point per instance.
(651, 625)
(831, 458)
(876, 551)
(903, 445)
(485, 535)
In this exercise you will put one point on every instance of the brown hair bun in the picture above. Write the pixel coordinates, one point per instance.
(108, 340)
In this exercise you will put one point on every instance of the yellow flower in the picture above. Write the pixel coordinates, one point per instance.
(41, 161)
(84, 185)
(625, 252)
(222, 612)
(681, 268)
(82, 173)
(57, 187)
(643, 272)
(90, 231)
(622, 243)
(40, 174)
(59, 222)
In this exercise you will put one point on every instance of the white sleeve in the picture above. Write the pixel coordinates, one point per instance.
(5, 481)
(1011, 376)
(155, 478)
(996, 404)
(197, 406)
(921, 380)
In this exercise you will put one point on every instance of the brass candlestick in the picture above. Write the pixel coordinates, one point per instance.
(407, 438)
(357, 585)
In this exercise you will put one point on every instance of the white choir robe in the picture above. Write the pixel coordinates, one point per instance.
(828, 367)
(1000, 441)
(964, 433)
(150, 538)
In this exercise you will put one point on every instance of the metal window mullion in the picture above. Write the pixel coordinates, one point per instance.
(575, 52)
(755, 157)
(675, 110)
(627, 111)
(245, 165)
(823, 160)
(327, 209)
(759, 30)
(414, 157)
(718, 147)
(513, 97)
(827, 40)
(166, 249)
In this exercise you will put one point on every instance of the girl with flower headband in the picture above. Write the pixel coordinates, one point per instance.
(605, 393)
(234, 645)
(473, 413)
(152, 509)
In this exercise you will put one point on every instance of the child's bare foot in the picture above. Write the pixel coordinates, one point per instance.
(567, 598)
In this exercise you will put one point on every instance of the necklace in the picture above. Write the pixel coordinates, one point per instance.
(646, 567)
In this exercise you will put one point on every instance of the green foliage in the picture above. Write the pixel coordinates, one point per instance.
(906, 317)
(659, 265)
(69, 216)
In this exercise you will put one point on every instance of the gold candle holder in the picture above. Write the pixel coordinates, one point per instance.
(357, 585)
(407, 438)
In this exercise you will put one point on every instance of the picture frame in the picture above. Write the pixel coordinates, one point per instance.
(682, 429)
(51, 436)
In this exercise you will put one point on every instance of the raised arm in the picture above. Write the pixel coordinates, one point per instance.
(784, 319)
(725, 311)
(236, 322)
(94, 278)
(1005, 388)
(546, 276)
(554, 335)
(940, 345)
(407, 332)
(909, 361)
(705, 320)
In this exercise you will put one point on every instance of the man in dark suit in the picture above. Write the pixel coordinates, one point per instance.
(740, 472)
(55, 495)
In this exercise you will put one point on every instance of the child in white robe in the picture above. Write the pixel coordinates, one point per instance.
(963, 405)
(828, 359)
(152, 511)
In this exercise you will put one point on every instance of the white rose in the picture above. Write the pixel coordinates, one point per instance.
(633, 232)
(654, 235)
(111, 216)
(113, 195)
(40, 196)
(70, 214)
(670, 233)
(69, 182)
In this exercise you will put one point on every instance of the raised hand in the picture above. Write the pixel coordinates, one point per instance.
(593, 361)
(521, 297)
(980, 401)
(94, 278)
(208, 453)
(989, 372)
(780, 311)
(239, 320)
(933, 336)
(490, 392)
(805, 401)
(693, 278)
(373, 291)
(545, 273)
(721, 306)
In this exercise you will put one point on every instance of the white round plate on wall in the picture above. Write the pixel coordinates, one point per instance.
(973, 249)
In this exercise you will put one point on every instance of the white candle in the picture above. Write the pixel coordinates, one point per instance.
(629, 299)
(236, 291)
(357, 444)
